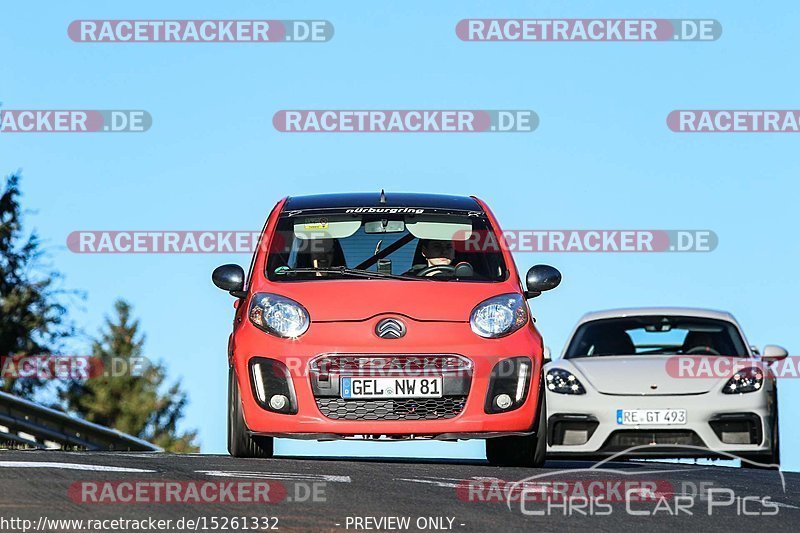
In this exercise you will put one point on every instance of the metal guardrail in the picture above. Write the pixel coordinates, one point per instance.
(30, 424)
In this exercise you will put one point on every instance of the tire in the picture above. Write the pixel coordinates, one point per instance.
(525, 451)
(240, 442)
(773, 457)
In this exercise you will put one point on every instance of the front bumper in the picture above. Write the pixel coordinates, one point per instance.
(466, 394)
(586, 425)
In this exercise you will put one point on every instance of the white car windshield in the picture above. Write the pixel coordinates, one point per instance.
(364, 246)
(655, 335)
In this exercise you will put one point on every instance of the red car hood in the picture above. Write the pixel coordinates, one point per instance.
(337, 300)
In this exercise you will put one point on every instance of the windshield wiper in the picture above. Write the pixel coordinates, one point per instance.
(355, 272)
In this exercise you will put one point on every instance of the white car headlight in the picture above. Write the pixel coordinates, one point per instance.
(563, 382)
(278, 315)
(748, 379)
(498, 316)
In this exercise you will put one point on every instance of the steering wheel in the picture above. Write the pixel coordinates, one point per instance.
(438, 269)
(702, 350)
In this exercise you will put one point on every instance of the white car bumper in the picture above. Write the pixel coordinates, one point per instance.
(587, 424)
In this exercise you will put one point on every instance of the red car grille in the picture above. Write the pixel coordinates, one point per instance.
(395, 409)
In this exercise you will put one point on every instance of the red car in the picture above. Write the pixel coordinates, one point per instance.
(385, 315)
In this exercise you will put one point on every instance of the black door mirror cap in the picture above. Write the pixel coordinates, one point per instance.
(541, 278)
(230, 278)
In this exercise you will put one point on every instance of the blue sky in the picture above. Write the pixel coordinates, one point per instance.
(602, 157)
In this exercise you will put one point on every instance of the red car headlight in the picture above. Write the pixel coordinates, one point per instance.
(278, 315)
(499, 316)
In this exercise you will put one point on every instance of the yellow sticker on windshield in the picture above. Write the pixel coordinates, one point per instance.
(316, 223)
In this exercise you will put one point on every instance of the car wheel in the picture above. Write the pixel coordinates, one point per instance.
(240, 442)
(527, 450)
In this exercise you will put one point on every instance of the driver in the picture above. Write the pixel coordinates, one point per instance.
(436, 253)
(700, 342)
(321, 253)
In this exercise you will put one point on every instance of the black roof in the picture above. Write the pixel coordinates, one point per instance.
(373, 199)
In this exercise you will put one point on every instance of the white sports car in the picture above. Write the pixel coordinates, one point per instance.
(679, 377)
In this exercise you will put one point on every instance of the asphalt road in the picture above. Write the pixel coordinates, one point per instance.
(346, 494)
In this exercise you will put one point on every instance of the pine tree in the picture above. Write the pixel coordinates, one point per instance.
(32, 317)
(128, 394)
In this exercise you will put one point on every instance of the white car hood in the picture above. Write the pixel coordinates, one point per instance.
(640, 375)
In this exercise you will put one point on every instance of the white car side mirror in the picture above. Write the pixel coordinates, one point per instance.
(773, 353)
(547, 356)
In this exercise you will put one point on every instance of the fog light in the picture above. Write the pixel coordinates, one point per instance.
(503, 401)
(278, 402)
(272, 386)
(508, 385)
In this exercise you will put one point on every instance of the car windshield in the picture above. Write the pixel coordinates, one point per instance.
(654, 335)
(403, 246)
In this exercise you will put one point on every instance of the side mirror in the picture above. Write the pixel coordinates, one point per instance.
(541, 278)
(230, 278)
(773, 353)
(547, 356)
